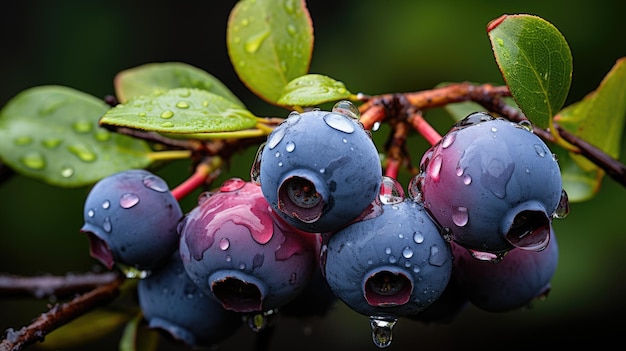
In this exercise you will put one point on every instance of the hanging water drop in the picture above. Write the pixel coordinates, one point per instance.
(255, 170)
(460, 216)
(415, 187)
(340, 122)
(447, 140)
(382, 330)
(562, 209)
(391, 191)
(347, 108)
(129, 200)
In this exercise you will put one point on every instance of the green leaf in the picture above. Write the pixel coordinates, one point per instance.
(181, 110)
(269, 43)
(152, 78)
(87, 328)
(51, 133)
(599, 120)
(138, 338)
(313, 89)
(536, 63)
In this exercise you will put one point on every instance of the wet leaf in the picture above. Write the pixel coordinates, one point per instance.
(182, 110)
(312, 90)
(51, 133)
(87, 328)
(599, 120)
(536, 63)
(269, 43)
(152, 78)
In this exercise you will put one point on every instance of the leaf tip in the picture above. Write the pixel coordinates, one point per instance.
(496, 22)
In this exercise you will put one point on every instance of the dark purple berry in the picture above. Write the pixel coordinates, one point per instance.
(131, 219)
(172, 303)
(493, 184)
(319, 169)
(241, 254)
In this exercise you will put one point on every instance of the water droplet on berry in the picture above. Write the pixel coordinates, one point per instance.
(467, 179)
(415, 187)
(388, 250)
(339, 122)
(228, 258)
(473, 119)
(232, 184)
(562, 209)
(418, 237)
(255, 170)
(290, 146)
(526, 124)
(486, 256)
(382, 330)
(154, 183)
(407, 252)
(129, 200)
(540, 150)
(436, 258)
(391, 191)
(345, 141)
(435, 167)
(106, 224)
(494, 129)
(224, 244)
(447, 140)
(276, 136)
(106, 204)
(446, 234)
(347, 108)
(203, 196)
(91, 213)
(460, 216)
(392, 259)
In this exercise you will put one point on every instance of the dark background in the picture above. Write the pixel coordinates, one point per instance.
(373, 47)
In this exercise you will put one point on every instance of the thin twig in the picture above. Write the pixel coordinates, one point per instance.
(48, 285)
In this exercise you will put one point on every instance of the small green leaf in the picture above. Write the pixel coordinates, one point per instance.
(269, 44)
(536, 63)
(181, 110)
(136, 337)
(599, 120)
(312, 90)
(51, 133)
(87, 328)
(152, 78)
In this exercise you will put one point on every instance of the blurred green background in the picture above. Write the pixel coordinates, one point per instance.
(373, 47)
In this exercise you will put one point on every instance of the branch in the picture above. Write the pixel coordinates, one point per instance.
(59, 315)
(41, 286)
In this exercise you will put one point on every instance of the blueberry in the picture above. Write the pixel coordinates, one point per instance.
(514, 282)
(392, 263)
(236, 251)
(131, 219)
(493, 184)
(320, 169)
(172, 303)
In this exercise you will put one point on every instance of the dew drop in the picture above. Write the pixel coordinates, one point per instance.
(447, 140)
(67, 171)
(232, 184)
(91, 213)
(467, 179)
(102, 135)
(255, 170)
(339, 122)
(106, 224)
(460, 216)
(407, 252)
(277, 154)
(415, 187)
(345, 141)
(388, 250)
(280, 164)
(51, 143)
(23, 140)
(182, 104)
(289, 6)
(82, 152)
(494, 129)
(346, 108)
(291, 29)
(82, 126)
(290, 146)
(392, 259)
(382, 330)
(418, 237)
(391, 191)
(376, 126)
(257, 322)
(526, 124)
(224, 244)
(155, 183)
(242, 265)
(562, 209)
(34, 160)
(253, 44)
(133, 272)
(541, 152)
(486, 256)
(167, 124)
(276, 136)
(129, 200)
(106, 204)
(436, 258)
(167, 114)
(228, 258)
(203, 196)
(435, 167)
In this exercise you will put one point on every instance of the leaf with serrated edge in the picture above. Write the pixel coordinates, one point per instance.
(599, 120)
(269, 44)
(152, 78)
(51, 133)
(536, 63)
(182, 110)
(312, 90)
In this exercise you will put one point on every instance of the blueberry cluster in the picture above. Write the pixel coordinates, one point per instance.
(319, 221)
